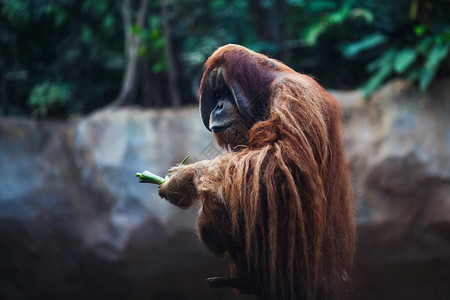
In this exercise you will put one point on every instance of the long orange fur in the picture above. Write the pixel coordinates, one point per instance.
(282, 204)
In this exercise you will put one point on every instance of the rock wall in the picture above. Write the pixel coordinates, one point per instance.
(398, 145)
(76, 224)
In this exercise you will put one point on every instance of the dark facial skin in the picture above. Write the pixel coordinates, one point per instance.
(226, 122)
(222, 113)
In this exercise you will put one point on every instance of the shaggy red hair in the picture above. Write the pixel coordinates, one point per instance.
(282, 205)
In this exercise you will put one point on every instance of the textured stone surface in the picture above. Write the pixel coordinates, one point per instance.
(398, 145)
(76, 224)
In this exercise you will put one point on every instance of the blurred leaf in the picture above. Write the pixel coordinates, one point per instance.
(95, 7)
(419, 30)
(426, 76)
(60, 18)
(404, 59)
(158, 44)
(16, 12)
(437, 54)
(377, 80)
(369, 42)
(217, 4)
(313, 33)
(413, 75)
(267, 3)
(339, 16)
(424, 45)
(108, 24)
(154, 21)
(386, 59)
(87, 35)
(158, 67)
(155, 34)
(365, 14)
(322, 5)
(334, 18)
(299, 3)
(48, 95)
(383, 67)
(142, 51)
(135, 29)
(446, 35)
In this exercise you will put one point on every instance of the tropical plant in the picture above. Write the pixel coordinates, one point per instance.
(48, 96)
(415, 51)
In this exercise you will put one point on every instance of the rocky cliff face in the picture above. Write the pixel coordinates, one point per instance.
(76, 224)
(398, 145)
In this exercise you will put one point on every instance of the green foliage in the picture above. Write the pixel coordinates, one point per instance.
(67, 56)
(415, 49)
(351, 50)
(16, 12)
(337, 16)
(416, 57)
(203, 26)
(48, 96)
(78, 42)
(153, 46)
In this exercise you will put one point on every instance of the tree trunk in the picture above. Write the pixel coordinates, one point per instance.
(269, 23)
(151, 90)
(173, 70)
(130, 80)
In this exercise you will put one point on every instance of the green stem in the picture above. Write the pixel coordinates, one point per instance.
(184, 160)
(148, 177)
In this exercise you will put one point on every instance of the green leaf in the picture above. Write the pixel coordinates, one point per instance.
(369, 42)
(87, 36)
(437, 54)
(158, 67)
(142, 50)
(413, 75)
(155, 34)
(299, 3)
(420, 30)
(446, 35)
(339, 16)
(384, 67)
(313, 33)
(377, 80)
(426, 76)
(48, 95)
(334, 18)
(184, 160)
(404, 59)
(385, 59)
(108, 24)
(424, 45)
(322, 5)
(135, 29)
(60, 18)
(365, 14)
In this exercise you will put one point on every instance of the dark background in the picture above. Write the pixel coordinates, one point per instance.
(66, 57)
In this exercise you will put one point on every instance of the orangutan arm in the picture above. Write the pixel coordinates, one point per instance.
(201, 181)
(180, 189)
